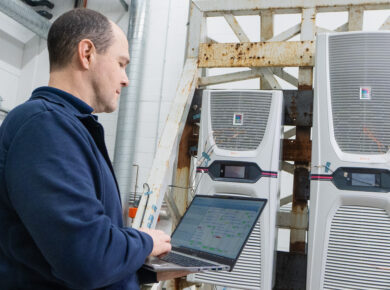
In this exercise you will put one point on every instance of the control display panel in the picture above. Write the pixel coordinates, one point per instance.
(362, 179)
(234, 171)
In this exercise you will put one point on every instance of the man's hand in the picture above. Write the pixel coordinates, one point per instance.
(161, 241)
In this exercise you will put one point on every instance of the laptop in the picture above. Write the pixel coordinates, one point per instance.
(210, 235)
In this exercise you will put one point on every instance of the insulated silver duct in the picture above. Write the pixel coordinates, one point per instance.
(26, 16)
(129, 101)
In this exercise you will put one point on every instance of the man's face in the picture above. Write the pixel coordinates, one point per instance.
(109, 73)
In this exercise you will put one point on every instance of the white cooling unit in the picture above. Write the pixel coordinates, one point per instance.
(349, 231)
(239, 154)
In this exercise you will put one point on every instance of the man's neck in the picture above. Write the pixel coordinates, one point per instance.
(70, 82)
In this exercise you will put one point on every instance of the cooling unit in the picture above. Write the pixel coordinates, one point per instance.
(239, 154)
(349, 231)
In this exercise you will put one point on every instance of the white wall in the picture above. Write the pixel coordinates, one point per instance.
(163, 65)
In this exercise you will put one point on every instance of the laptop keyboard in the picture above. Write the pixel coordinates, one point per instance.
(184, 260)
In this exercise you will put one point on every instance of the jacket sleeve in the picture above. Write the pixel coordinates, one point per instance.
(51, 177)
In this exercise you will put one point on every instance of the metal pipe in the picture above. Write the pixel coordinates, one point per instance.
(26, 16)
(125, 5)
(46, 3)
(129, 102)
(136, 184)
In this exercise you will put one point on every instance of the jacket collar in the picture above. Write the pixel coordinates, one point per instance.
(64, 99)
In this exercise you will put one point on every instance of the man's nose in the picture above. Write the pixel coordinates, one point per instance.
(125, 81)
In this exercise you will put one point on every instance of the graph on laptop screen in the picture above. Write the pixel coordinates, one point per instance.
(217, 226)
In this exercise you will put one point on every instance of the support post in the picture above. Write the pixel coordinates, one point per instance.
(266, 33)
(355, 18)
(301, 188)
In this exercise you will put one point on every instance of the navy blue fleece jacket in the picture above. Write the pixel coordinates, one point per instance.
(60, 211)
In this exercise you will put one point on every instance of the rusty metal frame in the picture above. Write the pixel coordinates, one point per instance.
(253, 7)
(386, 24)
(257, 54)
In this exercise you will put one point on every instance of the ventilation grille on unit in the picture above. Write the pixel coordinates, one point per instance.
(360, 63)
(359, 249)
(254, 106)
(247, 272)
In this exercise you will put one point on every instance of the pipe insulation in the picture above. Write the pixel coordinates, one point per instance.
(129, 102)
(26, 16)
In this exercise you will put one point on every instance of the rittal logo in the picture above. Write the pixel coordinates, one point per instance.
(365, 93)
(238, 119)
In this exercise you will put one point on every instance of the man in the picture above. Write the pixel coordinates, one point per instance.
(60, 212)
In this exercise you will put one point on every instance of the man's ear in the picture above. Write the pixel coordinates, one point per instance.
(86, 53)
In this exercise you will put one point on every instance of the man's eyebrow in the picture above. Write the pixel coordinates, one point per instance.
(126, 59)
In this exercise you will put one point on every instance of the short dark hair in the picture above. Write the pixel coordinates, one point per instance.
(70, 28)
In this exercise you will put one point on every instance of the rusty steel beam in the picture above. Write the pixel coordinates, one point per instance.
(266, 32)
(301, 185)
(294, 150)
(284, 219)
(385, 25)
(290, 133)
(231, 77)
(298, 107)
(355, 18)
(257, 54)
(235, 26)
(287, 167)
(287, 34)
(253, 7)
(181, 178)
(280, 72)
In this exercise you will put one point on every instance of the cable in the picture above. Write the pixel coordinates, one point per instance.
(147, 192)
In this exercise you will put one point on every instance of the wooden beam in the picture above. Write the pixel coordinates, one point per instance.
(257, 54)
(252, 7)
(235, 26)
(355, 18)
(162, 166)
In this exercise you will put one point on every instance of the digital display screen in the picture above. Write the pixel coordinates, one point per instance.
(363, 179)
(234, 171)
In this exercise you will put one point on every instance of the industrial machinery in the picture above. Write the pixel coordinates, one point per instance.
(239, 154)
(349, 225)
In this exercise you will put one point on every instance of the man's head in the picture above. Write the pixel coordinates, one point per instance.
(92, 52)
(70, 28)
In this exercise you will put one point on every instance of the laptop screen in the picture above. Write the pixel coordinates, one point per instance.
(218, 225)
